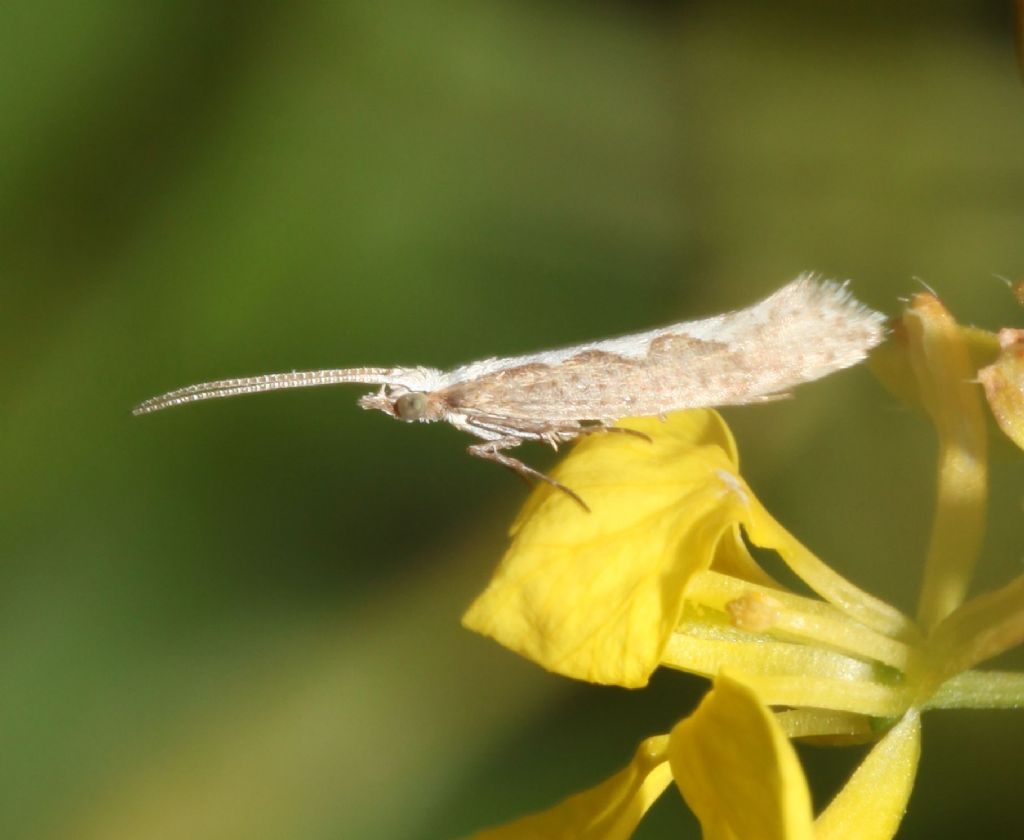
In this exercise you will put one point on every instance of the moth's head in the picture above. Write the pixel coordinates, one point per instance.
(403, 404)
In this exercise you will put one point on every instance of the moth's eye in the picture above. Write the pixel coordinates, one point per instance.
(411, 407)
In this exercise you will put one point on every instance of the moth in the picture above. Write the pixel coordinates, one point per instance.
(804, 331)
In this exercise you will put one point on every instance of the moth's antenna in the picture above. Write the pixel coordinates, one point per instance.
(269, 382)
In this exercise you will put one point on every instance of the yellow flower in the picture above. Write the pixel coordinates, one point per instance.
(659, 574)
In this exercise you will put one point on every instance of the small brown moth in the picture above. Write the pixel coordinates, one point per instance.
(804, 331)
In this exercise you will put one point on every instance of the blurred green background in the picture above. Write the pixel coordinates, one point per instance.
(241, 619)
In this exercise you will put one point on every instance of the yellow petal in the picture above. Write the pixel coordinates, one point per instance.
(737, 770)
(981, 629)
(944, 371)
(1004, 385)
(609, 811)
(766, 532)
(596, 595)
(873, 802)
(862, 697)
(827, 728)
(890, 362)
(706, 648)
(733, 558)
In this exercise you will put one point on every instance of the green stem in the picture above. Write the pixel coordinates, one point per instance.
(980, 690)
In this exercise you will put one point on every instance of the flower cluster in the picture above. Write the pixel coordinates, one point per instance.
(660, 575)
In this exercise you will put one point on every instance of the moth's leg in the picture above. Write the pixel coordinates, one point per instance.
(491, 451)
(601, 428)
(560, 434)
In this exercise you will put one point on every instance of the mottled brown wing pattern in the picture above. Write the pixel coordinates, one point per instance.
(793, 340)
(595, 385)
